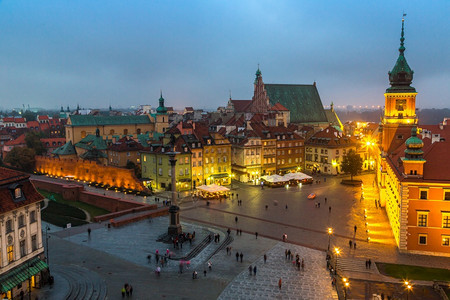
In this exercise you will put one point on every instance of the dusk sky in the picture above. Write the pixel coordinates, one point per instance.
(97, 53)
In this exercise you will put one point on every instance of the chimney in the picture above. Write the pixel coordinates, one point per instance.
(441, 126)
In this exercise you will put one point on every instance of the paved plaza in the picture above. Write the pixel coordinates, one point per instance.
(114, 256)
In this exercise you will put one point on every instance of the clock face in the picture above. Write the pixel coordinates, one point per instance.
(10, 239)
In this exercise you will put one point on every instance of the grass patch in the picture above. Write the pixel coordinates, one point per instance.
(60, 214)
(91, 209)
(414, 272)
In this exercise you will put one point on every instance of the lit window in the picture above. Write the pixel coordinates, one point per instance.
(422, 239)
(446, 240)
(10, 251)
(17, 193)
(422, 219)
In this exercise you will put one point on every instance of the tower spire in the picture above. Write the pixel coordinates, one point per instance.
(402, 37)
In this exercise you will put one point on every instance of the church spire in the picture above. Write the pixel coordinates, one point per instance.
(401, 75)
(258, 74)
(161, 109)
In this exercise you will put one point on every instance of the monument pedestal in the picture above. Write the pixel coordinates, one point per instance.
(174, 227)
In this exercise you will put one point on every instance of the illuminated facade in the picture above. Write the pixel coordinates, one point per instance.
(412, 170)
(22, 250)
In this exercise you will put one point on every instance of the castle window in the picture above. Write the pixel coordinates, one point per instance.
(446, 220)
(10, 253)
(422, 218)
(424, 194)
(400, 137)
(422, 239)
(446, 240)
(446, 195)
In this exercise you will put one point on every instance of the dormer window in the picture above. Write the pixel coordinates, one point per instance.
(17, 193)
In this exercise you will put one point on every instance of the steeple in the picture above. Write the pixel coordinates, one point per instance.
(414, 146)
(401, 76)
(161, 109)
(62, 109)
(258, 74)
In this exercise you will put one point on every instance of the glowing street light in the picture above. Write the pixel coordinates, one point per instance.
(336, 251)
(346, 286)
(408, 286)
(330, 232)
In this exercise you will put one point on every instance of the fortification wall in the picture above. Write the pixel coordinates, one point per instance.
(89, 171)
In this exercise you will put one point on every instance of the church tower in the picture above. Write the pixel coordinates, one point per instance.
(400, 102)
(260, 102)
(162, 118)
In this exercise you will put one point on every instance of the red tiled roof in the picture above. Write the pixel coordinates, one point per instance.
(8, 177)
(279, 107)
(188, 108)
(125, 144)
(8, 119)
(42, 117)
(20, 140)
(330, 136)
(241, 105)
(32, 124)
(19, 120)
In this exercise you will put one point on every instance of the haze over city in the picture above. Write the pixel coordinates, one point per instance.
(96, 54)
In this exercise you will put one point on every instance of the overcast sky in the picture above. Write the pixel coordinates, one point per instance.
(122, 53)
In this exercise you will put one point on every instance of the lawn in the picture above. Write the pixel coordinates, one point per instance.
(414, 272)
(91, 209)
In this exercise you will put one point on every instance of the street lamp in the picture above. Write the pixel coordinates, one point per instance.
(330, 232)
(408, 286)
(346, 286)
(336, 251)
(47, 228)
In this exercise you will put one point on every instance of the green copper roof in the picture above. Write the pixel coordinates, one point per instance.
(93, 154)
(82, 120)
(414, 141)
(66, 149)
(303, 101)
(161, 109)
(92, 141)
(401, 75)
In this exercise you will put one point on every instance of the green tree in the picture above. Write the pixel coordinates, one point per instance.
(29, 115)
(33, 140)
(352, 163)
(136, 168)
(21, 158)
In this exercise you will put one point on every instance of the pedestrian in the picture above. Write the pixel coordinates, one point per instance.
(149, 258)
(256, 234)
(325, 199)
(131, 290)
(237, 231)
(180, 268)
(237, 195)
(265, 258)
(355, 228)
(89, 232)
(350, 243)
(236, 219)
(279, 284)
(367, 264)
(289, 254)
(329, 209)
(228, 250)
(285, 253)
(286, 206)
(209, 265)
(194, 275)
(284, 238)
(241, 256)
(237, 256)
(267, 206)
(250, 270)
(123, 292)
(204, 273)
(229, 231)
(254, 270)
(370, 263)
(127, 289)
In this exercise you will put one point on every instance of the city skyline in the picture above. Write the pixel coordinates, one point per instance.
(95, 56)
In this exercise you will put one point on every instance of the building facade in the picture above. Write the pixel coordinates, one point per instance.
(22, 252)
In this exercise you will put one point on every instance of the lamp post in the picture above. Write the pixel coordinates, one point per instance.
(174, 227)
(330, 232)
(46, 242)
(336, 251)
(408, 286)
(346, 285)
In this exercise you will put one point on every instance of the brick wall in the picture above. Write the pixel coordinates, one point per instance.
(89, 171)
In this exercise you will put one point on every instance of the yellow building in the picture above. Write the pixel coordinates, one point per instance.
(80, 126)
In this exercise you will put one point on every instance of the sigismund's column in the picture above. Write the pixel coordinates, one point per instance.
(174, 210)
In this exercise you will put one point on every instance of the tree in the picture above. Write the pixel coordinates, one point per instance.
(29, 115)
(351, 163)
(136, 168)
(33, 140)
(21, 158)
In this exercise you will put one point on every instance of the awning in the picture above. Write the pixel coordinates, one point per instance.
(223, 175)
(21, 273)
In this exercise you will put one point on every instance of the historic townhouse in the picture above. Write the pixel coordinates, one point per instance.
(290, 150)
(21, 247)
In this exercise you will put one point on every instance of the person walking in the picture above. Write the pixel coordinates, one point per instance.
(329, 209)
(89, 232)
(250, 270)
(256, 234)
(209, 265)
(350, 243)
(325, 200)
(355, 228)
(237, 256)
(236, 219)
(265, 258)
(370, 263)
(254, 271)
(123, 292)
(279, 284)
(286, 206)
(241, 256)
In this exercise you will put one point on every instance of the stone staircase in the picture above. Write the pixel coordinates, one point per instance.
(355, 265)
(82, 283)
